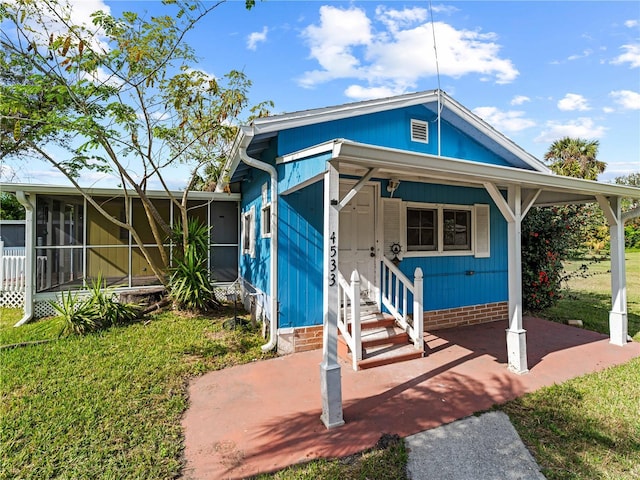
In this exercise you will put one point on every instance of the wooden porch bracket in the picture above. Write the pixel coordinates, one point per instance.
(356, 188)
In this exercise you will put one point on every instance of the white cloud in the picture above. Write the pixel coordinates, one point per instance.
(628, 99)
(582, 127)
(572, 102)
(608, 109)
(256, 37)
(80, 12)
(631, 23)
(631, 56)
(358, 92)
(520, 99)
(584, 54)
(395, 49)
(511, 121)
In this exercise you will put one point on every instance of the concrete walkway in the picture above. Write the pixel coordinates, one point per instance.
(486, 447)
(264, 416)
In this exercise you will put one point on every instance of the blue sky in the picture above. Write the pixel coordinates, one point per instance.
(536, 71)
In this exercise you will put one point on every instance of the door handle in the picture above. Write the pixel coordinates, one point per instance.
(373, 252)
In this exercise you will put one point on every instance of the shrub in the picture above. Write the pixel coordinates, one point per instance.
(99, 311)
(548, 235)
(190, 283)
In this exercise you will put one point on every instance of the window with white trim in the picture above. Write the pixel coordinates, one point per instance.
(248, 232)
(265, 213)
(431, 229)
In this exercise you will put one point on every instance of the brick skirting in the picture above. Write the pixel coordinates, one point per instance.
(471, 315)
(310, 338)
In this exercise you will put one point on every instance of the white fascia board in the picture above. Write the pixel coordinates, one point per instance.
(493, 134)
(327, 114)
(111, 192)
(415, 163)
(242, 140)
(307, 152)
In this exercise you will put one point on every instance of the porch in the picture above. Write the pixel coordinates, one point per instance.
(265, 415)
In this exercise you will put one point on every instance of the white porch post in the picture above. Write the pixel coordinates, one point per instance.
(516, 335)
(330, 381)
(618, 320)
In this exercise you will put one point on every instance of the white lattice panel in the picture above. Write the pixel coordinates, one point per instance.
(43, 309)
(11, 299)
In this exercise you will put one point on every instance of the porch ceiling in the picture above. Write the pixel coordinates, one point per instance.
(555, 189)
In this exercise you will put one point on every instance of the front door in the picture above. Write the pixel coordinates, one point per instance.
(357, 240)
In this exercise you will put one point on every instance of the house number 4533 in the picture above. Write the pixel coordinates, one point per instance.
(333, 265)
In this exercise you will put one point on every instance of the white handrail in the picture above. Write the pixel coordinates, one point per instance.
(395, 290)
(349, 295)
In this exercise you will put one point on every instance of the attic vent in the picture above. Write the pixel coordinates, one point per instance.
(419, 131)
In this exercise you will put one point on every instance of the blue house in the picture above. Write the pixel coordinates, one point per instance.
(365, 224)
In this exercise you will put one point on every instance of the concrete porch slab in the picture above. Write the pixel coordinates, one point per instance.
(264, 416)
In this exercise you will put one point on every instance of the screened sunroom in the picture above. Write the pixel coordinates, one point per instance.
(73, 243)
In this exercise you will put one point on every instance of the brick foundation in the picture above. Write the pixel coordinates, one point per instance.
(310, 338)
(300, 340)
(471, 315)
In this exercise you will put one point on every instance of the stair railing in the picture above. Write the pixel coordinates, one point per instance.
(395, 290)
(349, 314)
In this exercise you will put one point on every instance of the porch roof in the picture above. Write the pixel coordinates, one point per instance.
(358, 158)
(40, 189)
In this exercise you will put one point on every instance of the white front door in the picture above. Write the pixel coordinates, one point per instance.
(357, 242)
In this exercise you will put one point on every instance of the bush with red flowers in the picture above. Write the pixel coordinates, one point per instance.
(548, 235)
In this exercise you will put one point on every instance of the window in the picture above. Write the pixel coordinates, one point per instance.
(457, 230)
(446, 229)
(248, 232)
(419, 131)
(265, 220)
(422, 231)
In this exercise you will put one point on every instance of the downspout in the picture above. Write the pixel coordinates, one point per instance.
(29, 270)
(271, 170)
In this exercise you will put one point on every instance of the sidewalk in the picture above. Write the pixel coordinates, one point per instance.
(264, 416)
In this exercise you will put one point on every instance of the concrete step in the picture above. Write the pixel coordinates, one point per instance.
(387, 354)
(383, 335)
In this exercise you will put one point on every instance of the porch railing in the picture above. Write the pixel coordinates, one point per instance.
(349, 315)
(395, 291)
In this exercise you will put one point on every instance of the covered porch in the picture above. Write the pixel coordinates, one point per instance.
(513, 191)
(464, 371)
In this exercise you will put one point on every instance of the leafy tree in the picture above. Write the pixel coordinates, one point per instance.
(632, 227)
(121, 95)
(551, 235)
(575, 157)
(10, 208)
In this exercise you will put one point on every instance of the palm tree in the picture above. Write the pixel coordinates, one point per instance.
(575, 157)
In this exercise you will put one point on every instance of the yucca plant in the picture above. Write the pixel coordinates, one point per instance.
(78, 316)
(107, 308)
(190, 284)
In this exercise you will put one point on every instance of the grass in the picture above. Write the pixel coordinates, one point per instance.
(589, 299)
(586, 428)
(107, 405)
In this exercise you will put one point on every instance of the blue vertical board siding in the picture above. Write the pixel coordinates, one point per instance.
(256, 270)
(447, 282)
(300, 254)
(389, 129)
(294, 173)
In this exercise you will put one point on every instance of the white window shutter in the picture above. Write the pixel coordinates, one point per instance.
(393, 225)
(481, 237)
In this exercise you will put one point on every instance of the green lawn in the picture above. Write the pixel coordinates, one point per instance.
(108, 405)
(589, 299)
